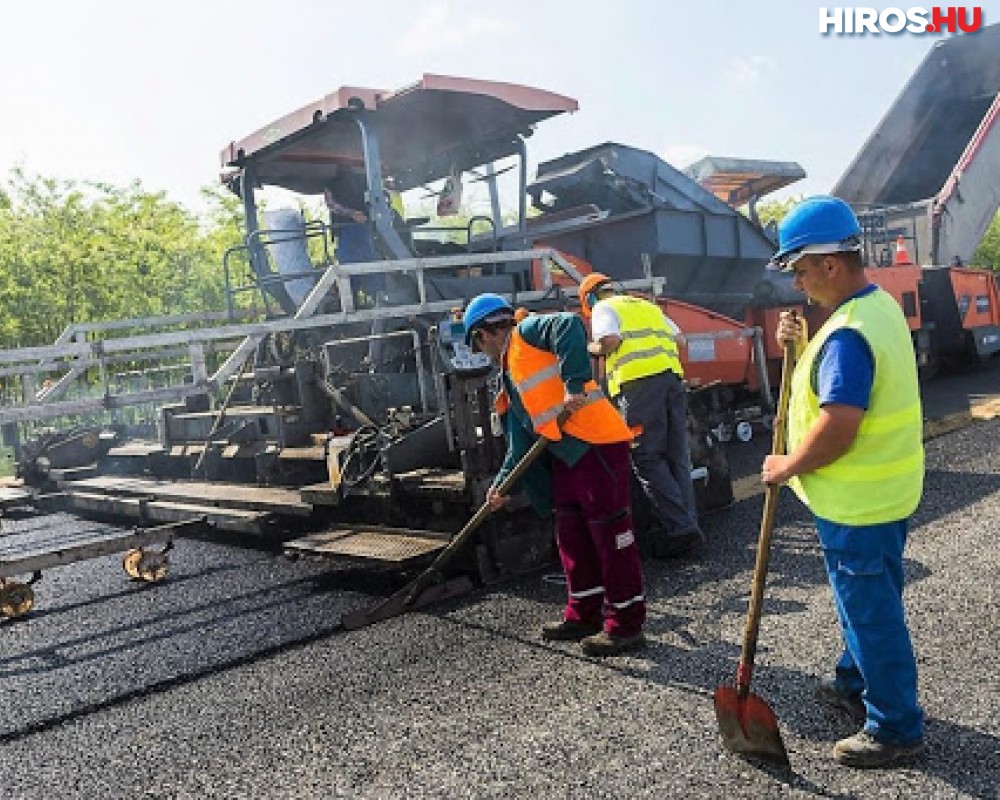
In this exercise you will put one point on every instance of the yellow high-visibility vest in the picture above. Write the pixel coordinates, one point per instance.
(880, 478)
(396, 202)
(648, 346)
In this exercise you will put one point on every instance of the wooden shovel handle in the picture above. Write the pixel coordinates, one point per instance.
(749, 649)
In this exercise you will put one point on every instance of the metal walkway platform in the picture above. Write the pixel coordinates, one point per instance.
(144, 511)
(273, 500)
(395, 547)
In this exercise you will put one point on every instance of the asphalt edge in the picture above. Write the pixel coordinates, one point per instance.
(985, 409)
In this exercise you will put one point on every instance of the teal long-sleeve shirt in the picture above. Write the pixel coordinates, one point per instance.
(562, 334)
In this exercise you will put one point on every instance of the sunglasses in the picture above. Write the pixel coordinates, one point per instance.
(787, 260)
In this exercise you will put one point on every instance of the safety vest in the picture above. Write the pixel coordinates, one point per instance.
(396, 202)
(648, 346)
(535, 375)
(880, 478)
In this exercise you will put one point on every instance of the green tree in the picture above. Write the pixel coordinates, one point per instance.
(83, 252)
(775, 210)
(988, 252)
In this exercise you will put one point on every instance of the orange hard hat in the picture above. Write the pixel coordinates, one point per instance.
(589, 284)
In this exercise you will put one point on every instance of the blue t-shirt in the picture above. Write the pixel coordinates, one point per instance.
(846, 367)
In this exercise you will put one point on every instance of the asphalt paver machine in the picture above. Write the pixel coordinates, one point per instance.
(348, 419)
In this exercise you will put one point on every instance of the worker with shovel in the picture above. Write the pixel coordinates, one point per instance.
(548, 391)
(855, 458)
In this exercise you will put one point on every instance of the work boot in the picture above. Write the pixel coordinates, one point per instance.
(604, 644)
(677, 545)
(569, 630)
(864, 751)
(830, 694)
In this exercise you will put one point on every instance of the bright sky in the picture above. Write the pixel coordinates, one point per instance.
(121, 89)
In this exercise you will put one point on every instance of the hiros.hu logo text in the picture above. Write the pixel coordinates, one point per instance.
(897, 20)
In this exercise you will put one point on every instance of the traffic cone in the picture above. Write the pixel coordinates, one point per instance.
(902, 254)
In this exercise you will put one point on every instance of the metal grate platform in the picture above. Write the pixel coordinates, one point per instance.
(390, 546)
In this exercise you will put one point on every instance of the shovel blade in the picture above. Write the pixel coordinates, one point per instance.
(749, 726)
(400, 603)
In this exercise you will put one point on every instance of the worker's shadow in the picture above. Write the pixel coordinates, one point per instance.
(956, 754)
(959, 755)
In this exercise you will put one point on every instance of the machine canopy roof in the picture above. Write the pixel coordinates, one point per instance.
(736, 180)
(426, 131)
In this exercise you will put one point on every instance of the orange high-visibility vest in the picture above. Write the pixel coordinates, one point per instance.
(535, 375)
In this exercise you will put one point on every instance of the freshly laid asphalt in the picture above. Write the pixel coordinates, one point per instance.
(232, 680)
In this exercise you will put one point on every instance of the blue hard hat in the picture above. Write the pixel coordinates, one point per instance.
(481, 308)
(821, 220)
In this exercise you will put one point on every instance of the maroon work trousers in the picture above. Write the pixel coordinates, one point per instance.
(596, 541)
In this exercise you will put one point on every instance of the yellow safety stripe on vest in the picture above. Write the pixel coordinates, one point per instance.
(639, 333)
(635, 355)
(892, 422)
(648, 343)
(875, 473)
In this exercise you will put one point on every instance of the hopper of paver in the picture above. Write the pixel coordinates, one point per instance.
(710, 254)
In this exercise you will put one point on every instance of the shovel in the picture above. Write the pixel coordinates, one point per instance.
(426, 588)
(747, 723)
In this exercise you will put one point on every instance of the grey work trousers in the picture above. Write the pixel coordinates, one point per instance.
(661, 457)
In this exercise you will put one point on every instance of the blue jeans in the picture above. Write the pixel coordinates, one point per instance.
(865, 567)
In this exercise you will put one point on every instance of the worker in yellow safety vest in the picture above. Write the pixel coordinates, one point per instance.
(645, 377)
(855, 458)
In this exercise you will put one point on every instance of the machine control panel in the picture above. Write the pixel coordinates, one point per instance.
(455, 353)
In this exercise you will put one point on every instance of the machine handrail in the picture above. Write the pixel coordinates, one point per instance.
(81, 354)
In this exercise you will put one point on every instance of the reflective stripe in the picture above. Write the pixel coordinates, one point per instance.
(587, 593)
(880, 472)
(538, 420)
(535, 379)
(892, 422)
(547, 416)
(639, 333)
(639, 598)
(652, 352)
